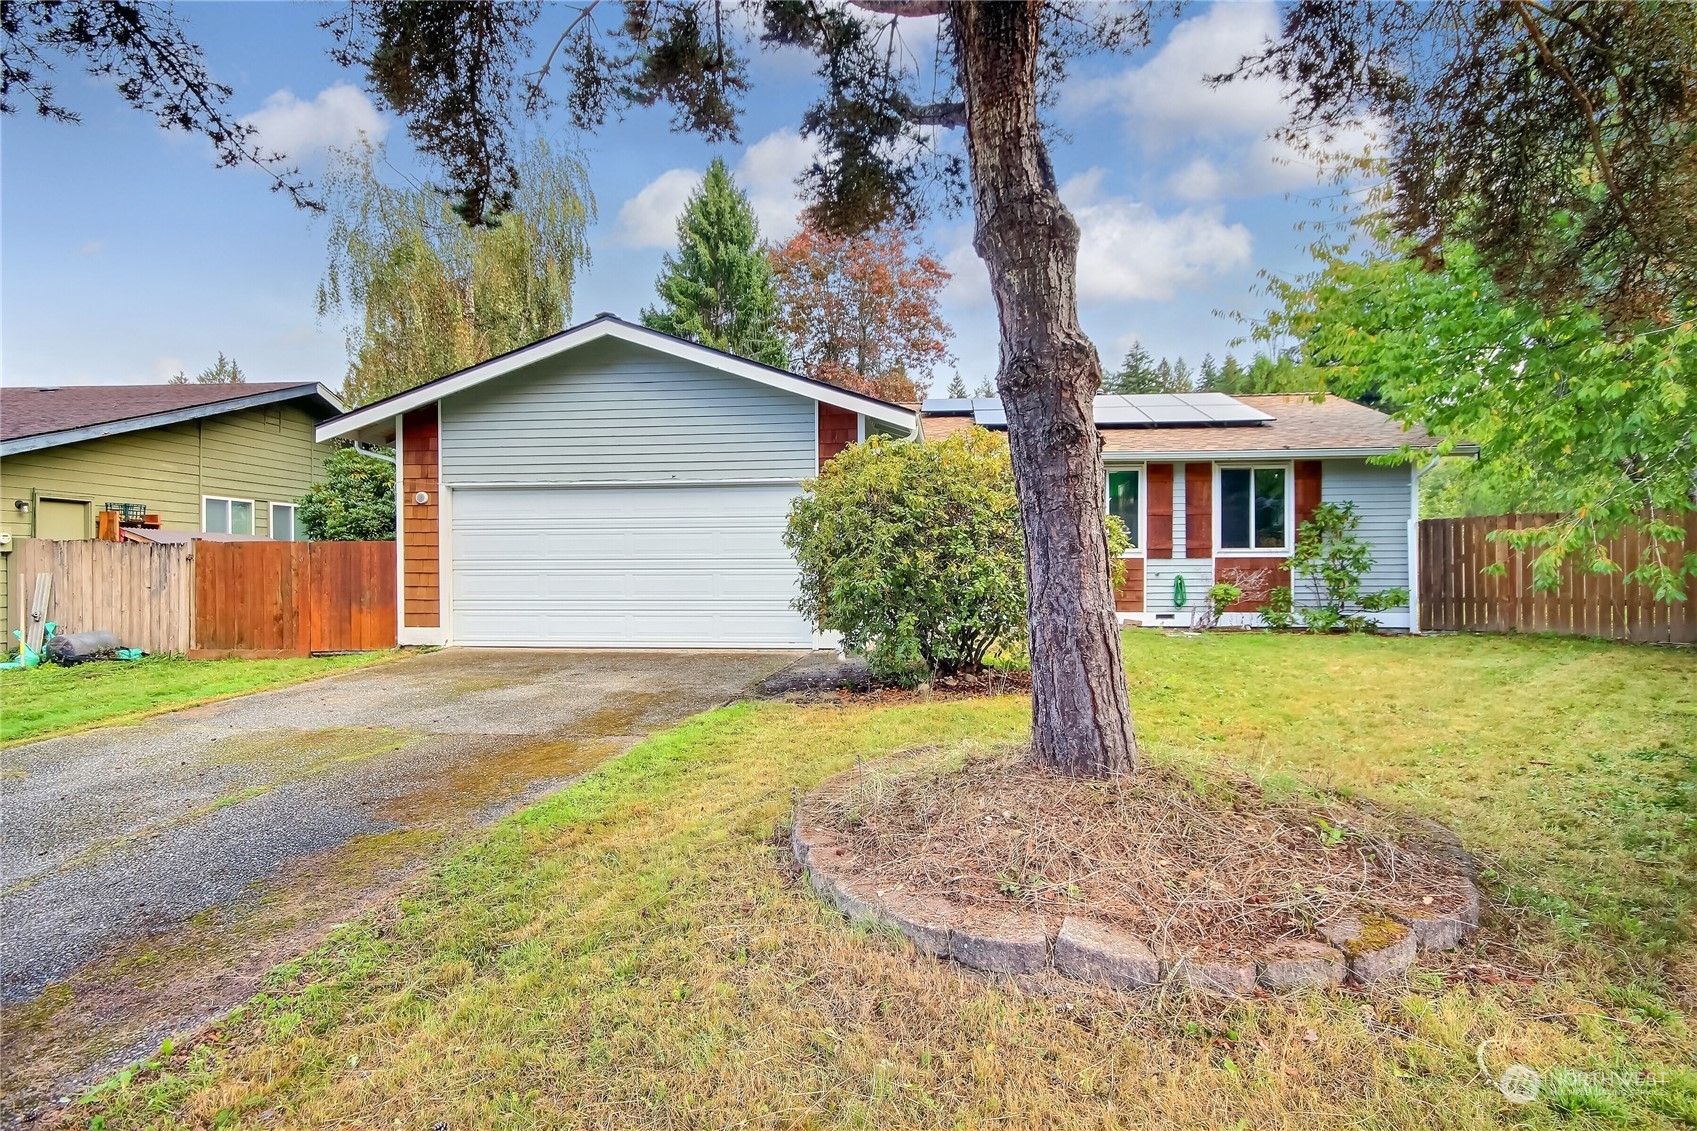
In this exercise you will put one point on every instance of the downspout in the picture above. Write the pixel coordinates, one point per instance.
(1414, 545)
(373, 453)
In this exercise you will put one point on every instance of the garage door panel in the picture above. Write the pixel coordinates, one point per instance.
(621, 567)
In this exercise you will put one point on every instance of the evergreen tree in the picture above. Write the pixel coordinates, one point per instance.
(1181, 379)
(224, 371)
(1136, 373)
(1229, 379)
(957, 388)
(1209, 372)
(718, 288)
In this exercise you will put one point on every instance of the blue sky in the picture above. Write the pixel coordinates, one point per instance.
(126, 256)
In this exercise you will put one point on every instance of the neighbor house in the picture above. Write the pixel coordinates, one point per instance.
(609, 486)
(1213, 488)
(228, 459)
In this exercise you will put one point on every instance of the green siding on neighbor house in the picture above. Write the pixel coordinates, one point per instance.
(264, 454)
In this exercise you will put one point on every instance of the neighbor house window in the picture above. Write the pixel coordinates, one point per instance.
(1252, 508)
(227, 516)
(1123, 489)
(283, 522)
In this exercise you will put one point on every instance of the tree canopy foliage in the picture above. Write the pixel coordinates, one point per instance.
(354, 503)
(1557, 137)
(429, 295)
(717, 288)
(152, 63)
(1600, 425)
(862, 311)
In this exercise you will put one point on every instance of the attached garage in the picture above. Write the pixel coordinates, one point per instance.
(624, 567)
(609, 487)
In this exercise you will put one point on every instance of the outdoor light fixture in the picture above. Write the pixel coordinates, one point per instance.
(22, 505)
(421, 498)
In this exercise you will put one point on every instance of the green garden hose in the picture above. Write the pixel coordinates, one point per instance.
(1178, 591)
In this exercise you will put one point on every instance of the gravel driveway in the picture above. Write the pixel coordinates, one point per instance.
(232, 825)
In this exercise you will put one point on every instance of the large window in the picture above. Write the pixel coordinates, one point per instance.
(1252, 508)
(283, 522)
(1123, 489)
(226, 516)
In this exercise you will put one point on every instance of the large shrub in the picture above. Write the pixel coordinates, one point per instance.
(1333, 559)
(913, 552)
(355, 503)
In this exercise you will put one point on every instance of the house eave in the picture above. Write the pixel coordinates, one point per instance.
(45, 440)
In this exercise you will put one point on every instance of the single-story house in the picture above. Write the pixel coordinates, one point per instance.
(612, 486)
(1213, 489)
(215, 458)
(609, 486)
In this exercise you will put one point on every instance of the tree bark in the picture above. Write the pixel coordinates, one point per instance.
(1047, 376)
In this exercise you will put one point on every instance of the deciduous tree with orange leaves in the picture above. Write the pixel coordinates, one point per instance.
(861, 312)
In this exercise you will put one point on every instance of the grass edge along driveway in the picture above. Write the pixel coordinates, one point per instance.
(636, 951)
(50, 700)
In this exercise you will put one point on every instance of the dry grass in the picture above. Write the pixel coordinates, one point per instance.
(634, 952)
(1200, 861)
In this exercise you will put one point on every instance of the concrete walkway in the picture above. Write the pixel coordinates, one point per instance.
(245, 827)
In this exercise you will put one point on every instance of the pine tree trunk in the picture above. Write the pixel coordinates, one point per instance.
(1047, 376)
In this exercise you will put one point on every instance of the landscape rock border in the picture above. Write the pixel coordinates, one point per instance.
(1358, 950)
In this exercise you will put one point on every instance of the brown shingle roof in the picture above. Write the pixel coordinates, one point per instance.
(1299, 424)
(31, 412)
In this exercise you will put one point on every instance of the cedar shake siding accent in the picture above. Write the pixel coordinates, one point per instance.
(1308, 481)
(1128, 598)
(838, 428)
(1198, 510)
(420, 550)
(1158, 510)
(1257, 577)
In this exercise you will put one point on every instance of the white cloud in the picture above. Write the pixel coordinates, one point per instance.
(650, 218)
(766, 171)
(92, 247)
(336, 117)
(1168, 99)
(969, 281)
(1130, 251)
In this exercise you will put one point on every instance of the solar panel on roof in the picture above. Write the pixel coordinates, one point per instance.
(946, 406)
(1122, 410)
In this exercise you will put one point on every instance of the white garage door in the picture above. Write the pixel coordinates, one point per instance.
(624, 567)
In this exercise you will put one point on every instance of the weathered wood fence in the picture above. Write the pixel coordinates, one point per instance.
(1457, 595)
(212, 599)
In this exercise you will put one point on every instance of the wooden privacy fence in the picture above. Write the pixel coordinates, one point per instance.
(1457, 595)
(213, 599)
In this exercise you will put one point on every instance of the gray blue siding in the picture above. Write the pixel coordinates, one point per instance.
(1382, 500)
(614, 412)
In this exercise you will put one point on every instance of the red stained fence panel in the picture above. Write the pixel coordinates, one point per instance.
(1457, 595)
(273, 599)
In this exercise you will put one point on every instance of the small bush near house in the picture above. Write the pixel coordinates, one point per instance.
(913, 552)
(355, 503)
(1331, 558)
(1221, 596)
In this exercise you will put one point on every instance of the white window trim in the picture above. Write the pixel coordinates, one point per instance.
(204, 499)
(1289, 468)
(1142, 470)
(294, 517)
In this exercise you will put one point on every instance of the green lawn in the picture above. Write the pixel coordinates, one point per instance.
(52, 700)
(637, 951)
